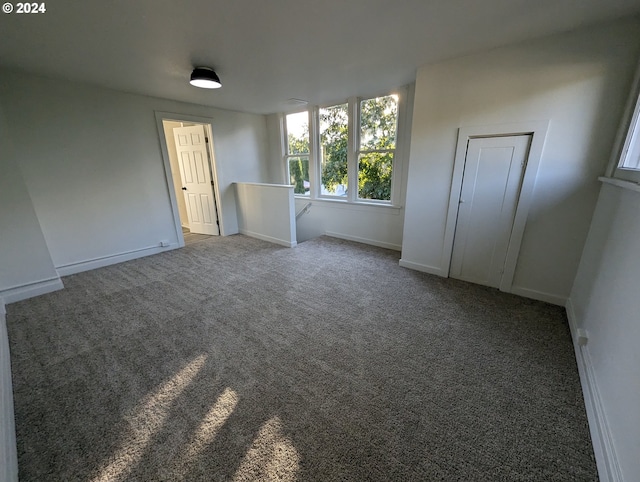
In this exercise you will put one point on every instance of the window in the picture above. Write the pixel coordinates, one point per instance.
(334, 139)
(629, 163)
(297, 151)
(626, 161)
(378, 127)
(350, 150)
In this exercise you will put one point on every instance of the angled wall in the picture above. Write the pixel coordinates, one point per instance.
(605, 304)
(578, 81)
(26, 268)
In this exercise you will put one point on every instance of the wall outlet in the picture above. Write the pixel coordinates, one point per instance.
(164, 244)
(582, 337)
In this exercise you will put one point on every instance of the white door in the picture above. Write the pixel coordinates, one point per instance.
(197, 183)
(490, 189)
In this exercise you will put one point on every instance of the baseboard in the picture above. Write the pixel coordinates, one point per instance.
(601, 438)
(264, 237)
(372, 242)
(101, 262)
(421, 267)
(8, 451)
(539, 295)
(30, 290)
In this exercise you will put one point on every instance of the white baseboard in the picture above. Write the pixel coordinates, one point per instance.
(372, 242)
(101, 262)
(604, 450)
(30, 290)
(539, 295)
(264, 237)
(421, 267)
(8, 451)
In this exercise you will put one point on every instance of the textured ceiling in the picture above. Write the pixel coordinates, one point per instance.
(267, 51)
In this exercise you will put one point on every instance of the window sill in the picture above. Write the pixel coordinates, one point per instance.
(343, 203)
(632, 186)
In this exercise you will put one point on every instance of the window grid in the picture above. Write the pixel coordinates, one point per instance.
(362, 164)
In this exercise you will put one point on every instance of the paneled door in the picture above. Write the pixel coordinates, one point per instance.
(492, 178)
(197, 183)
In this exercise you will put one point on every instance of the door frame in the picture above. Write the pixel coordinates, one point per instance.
(538, 132)
(208, 123)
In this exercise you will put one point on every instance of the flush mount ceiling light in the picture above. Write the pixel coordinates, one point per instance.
(205, 78)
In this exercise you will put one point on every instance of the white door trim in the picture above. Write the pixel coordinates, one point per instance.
(208, 122)
(538, 131)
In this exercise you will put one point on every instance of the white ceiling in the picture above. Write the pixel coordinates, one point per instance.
(267, 51)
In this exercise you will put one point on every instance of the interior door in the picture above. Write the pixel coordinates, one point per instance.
(491, 182)
(197, 184)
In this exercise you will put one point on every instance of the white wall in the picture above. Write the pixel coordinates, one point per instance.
(267, 211)
(579, 81)
(26, 268)
(175, 169)
(18, 227)
(277, 172)
(604, 302)
(8, 451)
(92, 163)
(378, 226)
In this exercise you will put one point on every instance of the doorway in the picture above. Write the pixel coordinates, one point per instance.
(491, 181)
(494, 174)
(191, 175)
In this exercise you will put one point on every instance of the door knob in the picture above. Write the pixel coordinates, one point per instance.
(184, 188)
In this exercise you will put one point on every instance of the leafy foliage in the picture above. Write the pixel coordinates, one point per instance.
(334, 140)
(378, 124)
(299, 173)
(298, 166)
(374, 175)
(299, 145)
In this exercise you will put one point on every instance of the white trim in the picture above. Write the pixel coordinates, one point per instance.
(623, 137)
(632, 186)
(421, 267)
(271, 239)
(8, 450)
(208, 127)
(601, 437)
(29, 290)
(371, 242)
(344, 204)
(103, 261)
(538, 131)
(262, 184)
(539, 295)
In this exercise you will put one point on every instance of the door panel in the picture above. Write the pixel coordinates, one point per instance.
(490, 188)
(196, 179)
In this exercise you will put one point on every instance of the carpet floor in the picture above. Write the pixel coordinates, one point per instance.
(233, 359)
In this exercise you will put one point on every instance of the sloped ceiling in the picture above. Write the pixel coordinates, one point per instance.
(268, 51)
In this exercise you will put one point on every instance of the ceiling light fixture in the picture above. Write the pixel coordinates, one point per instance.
(205, 78)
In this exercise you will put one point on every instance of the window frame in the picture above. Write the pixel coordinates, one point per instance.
(353, 151)
(287, 156)
(359, 150)
(628, 138)
(318, 168)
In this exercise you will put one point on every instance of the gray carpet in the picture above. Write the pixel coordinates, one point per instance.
(236, 359)
(190, 238)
